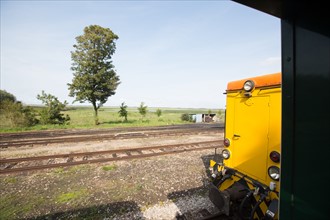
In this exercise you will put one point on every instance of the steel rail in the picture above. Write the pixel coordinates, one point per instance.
(166, 149)
(72, 132)
(100, 137)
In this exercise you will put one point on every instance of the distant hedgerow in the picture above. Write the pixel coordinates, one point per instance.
(186, 117)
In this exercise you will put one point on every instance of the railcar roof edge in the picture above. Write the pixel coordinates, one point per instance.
(260, 81)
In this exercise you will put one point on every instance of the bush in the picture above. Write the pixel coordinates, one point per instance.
(6, 96)
(123, 111)
(143, 109)
(186, 117)
(17, 114)
(159, 112)
(51, 114)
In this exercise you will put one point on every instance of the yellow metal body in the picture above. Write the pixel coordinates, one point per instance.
(253, 126)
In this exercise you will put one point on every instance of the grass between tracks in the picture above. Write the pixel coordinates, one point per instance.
(82, 118)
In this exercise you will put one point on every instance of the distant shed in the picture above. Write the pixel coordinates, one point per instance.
(207, 118)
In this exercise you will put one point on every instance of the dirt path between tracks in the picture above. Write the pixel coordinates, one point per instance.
(151, 188)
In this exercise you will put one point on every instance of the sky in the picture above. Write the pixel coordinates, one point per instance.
(178, 54)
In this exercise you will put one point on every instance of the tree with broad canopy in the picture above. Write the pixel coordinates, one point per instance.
(95, 79)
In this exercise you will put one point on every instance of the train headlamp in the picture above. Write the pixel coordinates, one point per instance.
(226, 142)
(274, 173)
(225, 154)
(275, 156)
(248, 86)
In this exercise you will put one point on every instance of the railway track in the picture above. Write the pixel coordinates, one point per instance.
(13, 165)
(44, 138)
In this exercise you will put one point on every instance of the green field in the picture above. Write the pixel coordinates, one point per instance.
(83, 118)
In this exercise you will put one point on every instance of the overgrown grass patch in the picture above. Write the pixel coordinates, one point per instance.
(7, 207)
(10, 179)
(109, 167)
(12, 205)
(70, 170)
(71, 196)
(58, 170)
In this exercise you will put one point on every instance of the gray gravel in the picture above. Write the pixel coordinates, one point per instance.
(150, 188)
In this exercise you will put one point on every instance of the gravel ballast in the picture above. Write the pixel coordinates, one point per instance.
(159, 187)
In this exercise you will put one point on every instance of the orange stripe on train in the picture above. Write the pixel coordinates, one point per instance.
(260, 81)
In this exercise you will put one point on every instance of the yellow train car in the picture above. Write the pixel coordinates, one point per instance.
(246, 178)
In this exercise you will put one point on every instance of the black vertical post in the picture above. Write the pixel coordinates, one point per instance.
(305, 112)
(288, 118)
